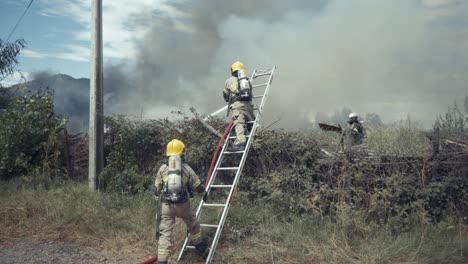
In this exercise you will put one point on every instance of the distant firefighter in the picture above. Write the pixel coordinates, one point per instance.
(356, 131)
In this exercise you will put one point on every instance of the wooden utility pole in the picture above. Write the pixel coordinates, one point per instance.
(96, 103)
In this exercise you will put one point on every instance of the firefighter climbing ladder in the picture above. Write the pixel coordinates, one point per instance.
(258, 75)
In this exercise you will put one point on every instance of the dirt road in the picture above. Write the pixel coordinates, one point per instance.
(23, 250)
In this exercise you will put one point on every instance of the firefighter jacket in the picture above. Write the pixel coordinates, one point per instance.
(190, 180)
(356, 133)
(231, 89)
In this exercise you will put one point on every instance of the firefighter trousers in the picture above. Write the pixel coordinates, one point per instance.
(168, 214)
(241, 115)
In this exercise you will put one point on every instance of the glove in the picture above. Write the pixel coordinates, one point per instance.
(205, 197)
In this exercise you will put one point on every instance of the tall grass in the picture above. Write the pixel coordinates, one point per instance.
(110, 220)
(253, 233)
(398, 141)
(403, 139)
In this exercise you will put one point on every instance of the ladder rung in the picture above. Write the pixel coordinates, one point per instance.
(234, 152)
(263, 74)
(228, 168)
(258, 96)
(259, 85)
(207, 225)
(193, 247)
(250, 122)
(221, 186)
(234, 137)
(214, 205)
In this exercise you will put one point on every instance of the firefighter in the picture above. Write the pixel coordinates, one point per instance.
(174, 184)
(356, 130)
(238, 92)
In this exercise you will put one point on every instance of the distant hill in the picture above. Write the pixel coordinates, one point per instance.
(71, 96)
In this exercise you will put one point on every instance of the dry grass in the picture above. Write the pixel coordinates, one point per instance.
(402, 140)
(124, 225)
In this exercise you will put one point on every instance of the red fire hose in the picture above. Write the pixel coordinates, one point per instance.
(150, 261)
(213, 163)
(218, 148)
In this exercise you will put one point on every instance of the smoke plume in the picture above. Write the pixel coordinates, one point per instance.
(393, 58)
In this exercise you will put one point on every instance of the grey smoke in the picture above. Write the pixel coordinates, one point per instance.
(71, 96)
(179, 64)
(392, 58)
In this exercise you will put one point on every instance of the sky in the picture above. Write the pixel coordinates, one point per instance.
(394, 58)
(58, 35)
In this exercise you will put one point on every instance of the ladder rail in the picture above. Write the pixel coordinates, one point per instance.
(265, 94)
(221, 156)
(208, 188)
(214, 243)
(238, 169)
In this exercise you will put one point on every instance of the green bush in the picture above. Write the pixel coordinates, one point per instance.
(30, 135)
(454, 122)
(135, 149)
(283, 171)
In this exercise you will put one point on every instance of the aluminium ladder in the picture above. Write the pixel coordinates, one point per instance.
(225, 205)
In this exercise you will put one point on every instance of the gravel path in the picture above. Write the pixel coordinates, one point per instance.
(21, 250)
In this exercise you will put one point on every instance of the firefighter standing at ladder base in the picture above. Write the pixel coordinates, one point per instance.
(174, 184)
(238, 92)
(356, 130)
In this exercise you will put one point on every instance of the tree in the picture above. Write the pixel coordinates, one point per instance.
(338, 117)
(373, 119)
(9, 53)
(454, 122)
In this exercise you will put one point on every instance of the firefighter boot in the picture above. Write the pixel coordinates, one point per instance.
(202, 245)
(236, 147)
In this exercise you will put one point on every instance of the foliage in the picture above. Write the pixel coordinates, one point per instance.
(455, 121)
(373, 120)
(8, 57)
(284, 171)
(124, 224)
(400, 140)
(136, 148)
(30, 135)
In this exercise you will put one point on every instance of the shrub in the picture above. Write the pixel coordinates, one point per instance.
(136, 148)
(283, 170)
(30, 135)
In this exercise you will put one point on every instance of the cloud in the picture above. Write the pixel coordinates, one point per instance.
(75, 53)
(33, 54)
(438, 3)
(120, 23)
(72, 52)
(15, 78)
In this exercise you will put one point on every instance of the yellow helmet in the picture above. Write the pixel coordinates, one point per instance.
(175, 147)
(236, 66)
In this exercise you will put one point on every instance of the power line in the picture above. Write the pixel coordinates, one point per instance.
(19, 20)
